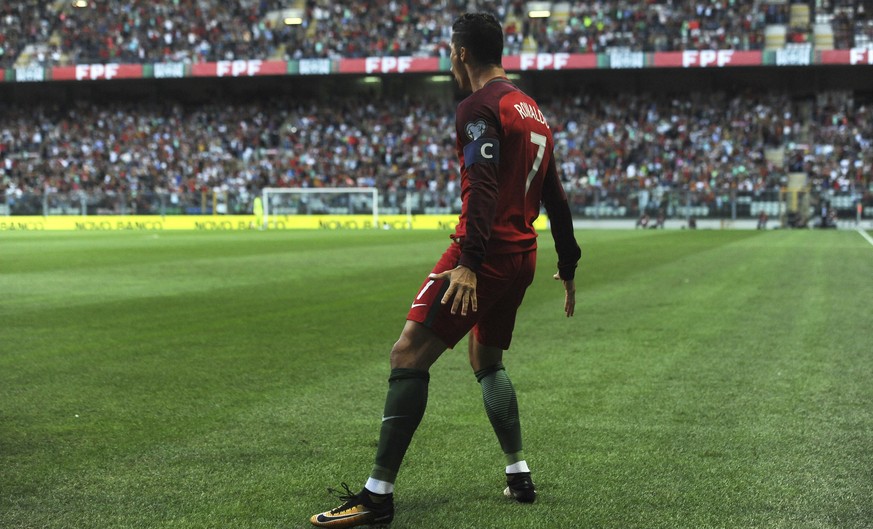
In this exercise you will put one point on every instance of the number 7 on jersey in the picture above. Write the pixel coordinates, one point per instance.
(540, 141)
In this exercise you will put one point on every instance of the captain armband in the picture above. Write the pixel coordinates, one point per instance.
(482, 150)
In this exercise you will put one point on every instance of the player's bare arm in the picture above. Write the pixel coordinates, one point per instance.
(462, 289)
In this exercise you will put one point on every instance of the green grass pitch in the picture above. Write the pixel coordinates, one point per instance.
(710, 379)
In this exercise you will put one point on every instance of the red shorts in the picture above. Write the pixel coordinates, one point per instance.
(500, 286)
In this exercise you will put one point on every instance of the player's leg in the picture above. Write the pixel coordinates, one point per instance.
(430, 329)
(498, 394)
(501, 406)
(490, 337)
(411, 357)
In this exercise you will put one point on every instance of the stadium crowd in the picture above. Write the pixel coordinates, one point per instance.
(209, 30)
(607, 144)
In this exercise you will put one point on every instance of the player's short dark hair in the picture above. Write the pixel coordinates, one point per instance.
(482, 35)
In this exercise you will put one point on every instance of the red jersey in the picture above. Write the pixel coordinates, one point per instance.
(508, 171)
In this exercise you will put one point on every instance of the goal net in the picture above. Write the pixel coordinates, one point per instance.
(320, 201)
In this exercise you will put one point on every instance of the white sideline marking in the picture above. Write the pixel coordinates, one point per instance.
(865, 235)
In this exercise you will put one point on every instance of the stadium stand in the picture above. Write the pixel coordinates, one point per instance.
(611, 149)
(59, 33)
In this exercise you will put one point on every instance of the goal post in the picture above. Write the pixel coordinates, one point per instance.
(319, 201)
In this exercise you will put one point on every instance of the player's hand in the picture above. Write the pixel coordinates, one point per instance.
(462, 289)
(569, 295)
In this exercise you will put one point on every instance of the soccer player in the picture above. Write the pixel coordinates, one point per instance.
(507, 172)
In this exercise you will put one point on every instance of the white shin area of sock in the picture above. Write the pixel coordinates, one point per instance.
(379, 487)
(515, 468)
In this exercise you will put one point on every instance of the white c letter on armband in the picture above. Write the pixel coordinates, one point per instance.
(482, 150)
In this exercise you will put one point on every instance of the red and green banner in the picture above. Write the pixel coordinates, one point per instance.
(383, 65)
(706, 59)
(249, 68)
(95, 72)
(437, 65)
(550, 61)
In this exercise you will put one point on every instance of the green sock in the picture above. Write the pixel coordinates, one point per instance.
(404, 408)
(502, 409)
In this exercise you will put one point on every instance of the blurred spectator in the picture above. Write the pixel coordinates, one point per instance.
(762, 220)
(643, 221)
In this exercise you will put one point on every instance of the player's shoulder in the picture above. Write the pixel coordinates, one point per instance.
(519, 96)
(486, 100)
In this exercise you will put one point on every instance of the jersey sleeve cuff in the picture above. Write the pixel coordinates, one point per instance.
(567, 272)
(470, 262)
